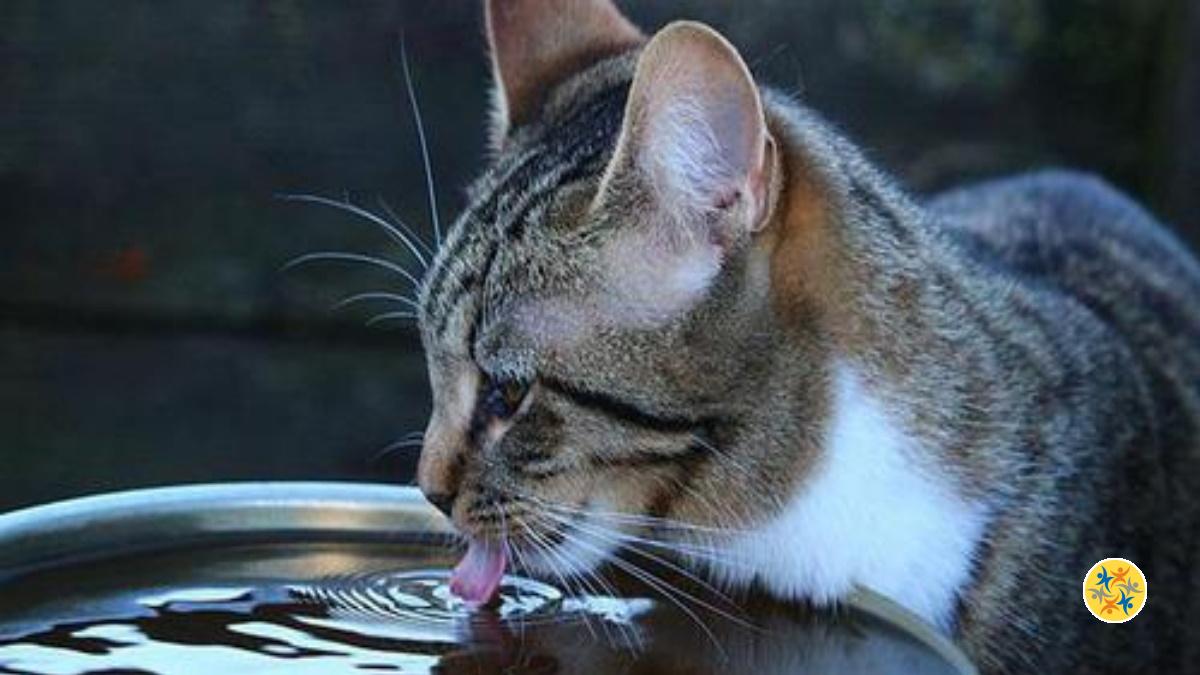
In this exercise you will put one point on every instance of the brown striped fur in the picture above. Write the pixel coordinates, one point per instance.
(1040, 335)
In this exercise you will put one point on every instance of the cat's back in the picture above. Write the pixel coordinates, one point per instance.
(1075, 233)
(1106, 278)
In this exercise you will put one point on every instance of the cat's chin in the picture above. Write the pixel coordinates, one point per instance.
(575, 550)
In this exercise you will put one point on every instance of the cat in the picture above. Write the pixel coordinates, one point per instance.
(680, 310)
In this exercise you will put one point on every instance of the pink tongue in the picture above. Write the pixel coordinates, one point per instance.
(477, 576)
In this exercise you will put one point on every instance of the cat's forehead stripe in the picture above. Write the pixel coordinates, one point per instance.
(571, 151)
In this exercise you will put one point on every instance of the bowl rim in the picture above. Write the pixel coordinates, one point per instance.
(164, 518)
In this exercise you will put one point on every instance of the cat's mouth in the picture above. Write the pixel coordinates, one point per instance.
(574, 548)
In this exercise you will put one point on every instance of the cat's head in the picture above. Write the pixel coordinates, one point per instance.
(598, 314)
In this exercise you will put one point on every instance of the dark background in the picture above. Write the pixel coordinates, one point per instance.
(147, 335)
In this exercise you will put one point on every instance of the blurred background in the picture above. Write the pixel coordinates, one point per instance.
(147, 334)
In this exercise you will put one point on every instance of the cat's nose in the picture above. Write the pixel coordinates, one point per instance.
(444, 501)
(442, 462)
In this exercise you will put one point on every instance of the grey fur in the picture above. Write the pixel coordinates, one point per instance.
(1039, 334)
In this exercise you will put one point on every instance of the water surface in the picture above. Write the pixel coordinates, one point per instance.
(336, 608)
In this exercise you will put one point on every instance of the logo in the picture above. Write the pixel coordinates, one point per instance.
(1115, 590)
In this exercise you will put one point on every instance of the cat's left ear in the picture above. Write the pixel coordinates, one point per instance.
(694, 130)
(692, 169)
(536, 43)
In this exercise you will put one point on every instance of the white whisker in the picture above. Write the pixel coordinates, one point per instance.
(509, 552)
(348, 207)
(392, 447)
(399, 222)
(547, 550)
(631, 540)
(376, 295)
(601, 588)
(637, 519)
(702, 551)
(390, 316)
(341, 256)
(701, 547)
(621, 540)
(663, 587)
(616, 538)
(416, 112)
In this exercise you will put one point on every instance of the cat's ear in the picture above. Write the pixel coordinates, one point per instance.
(693, 166)
(536, 43)
(694, 130)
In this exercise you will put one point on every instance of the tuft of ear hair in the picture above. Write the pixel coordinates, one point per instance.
(536, 43)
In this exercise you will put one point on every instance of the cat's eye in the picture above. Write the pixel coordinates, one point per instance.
(502, 397)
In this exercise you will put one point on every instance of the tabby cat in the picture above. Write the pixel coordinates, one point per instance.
(681, 307)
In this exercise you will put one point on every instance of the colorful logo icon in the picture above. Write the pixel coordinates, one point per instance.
(1115, 590)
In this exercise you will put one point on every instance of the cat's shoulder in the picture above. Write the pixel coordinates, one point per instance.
(1061, 212)
(1051, 203)
(1079, 195)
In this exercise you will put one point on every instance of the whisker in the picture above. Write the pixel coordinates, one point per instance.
(666, 525)
(349, 207)
(392, 447)
(508, 553)
(676, 568)
(620, 539)
(341, 256)
(416, 113)
(601, 588)
(390, 316)
(548, 551)
(376, 295)
(399, 222)
(638, 519)
(702, 549)
(703, 552)
(738, 466)
(665, 588)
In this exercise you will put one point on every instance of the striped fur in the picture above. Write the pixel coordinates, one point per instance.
(1036, 340)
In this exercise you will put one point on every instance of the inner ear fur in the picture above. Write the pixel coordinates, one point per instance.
(690, 176)
(694, 132)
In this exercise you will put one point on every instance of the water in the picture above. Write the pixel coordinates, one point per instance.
(423, 597)
(386, 609)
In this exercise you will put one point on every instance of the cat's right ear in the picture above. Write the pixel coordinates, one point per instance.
(536, 43)
(691, 176)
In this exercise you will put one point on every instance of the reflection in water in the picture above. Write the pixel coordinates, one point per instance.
(407, 622)
(423, 596)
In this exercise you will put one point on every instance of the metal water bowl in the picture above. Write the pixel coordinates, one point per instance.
(334, 577)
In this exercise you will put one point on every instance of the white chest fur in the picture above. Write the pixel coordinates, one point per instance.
(871, 515)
